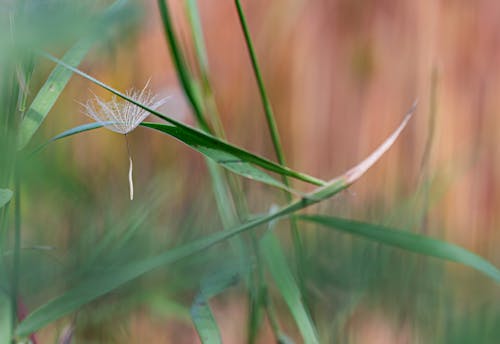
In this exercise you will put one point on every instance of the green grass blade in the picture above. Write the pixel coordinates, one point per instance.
(241, 153)
(275, 137)
(278, 267)
(202, 315)
(5, 197)
(271, 122)
(199, 42)
(181, 66)
(409, 241)
(50, 92)
(73, 131)
(222, 154)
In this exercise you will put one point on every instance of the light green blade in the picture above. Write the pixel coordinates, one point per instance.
(408, 241)
(60, 76)
(278, 267)
(50, 92)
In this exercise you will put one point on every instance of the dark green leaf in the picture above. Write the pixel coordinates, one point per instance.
(226, 155)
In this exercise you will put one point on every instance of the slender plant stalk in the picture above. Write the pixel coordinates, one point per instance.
(180, 66)
(202, 57)
(231, 183)
(273, 130)
(256, 280)
(224, 189)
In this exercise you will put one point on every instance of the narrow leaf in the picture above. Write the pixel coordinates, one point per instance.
(278, 267)
(50, 91)
(409, 241)
(221, 154)
(5, 196)
(73, 131)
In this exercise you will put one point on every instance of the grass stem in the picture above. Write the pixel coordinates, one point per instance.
(273, 130)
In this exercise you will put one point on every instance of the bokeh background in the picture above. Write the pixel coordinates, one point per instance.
(340, 75)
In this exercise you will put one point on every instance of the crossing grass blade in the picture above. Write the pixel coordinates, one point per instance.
(287, 286)
(111, 279)
(408, 241)
(5, 197)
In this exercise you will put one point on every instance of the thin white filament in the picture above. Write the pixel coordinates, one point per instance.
(130, 181)
(130, 169)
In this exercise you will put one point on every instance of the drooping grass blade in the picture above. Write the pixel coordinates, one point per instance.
(408, 241)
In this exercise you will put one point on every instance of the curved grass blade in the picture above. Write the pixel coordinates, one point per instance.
(275, 259)
(220, 144)
(202, 315)
(409, 241)
(73, 131)
(50, 91)
(5, 197)
(221, 157)
(110, 280)
(221, 154)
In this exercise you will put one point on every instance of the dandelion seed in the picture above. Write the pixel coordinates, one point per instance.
(122, 116)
